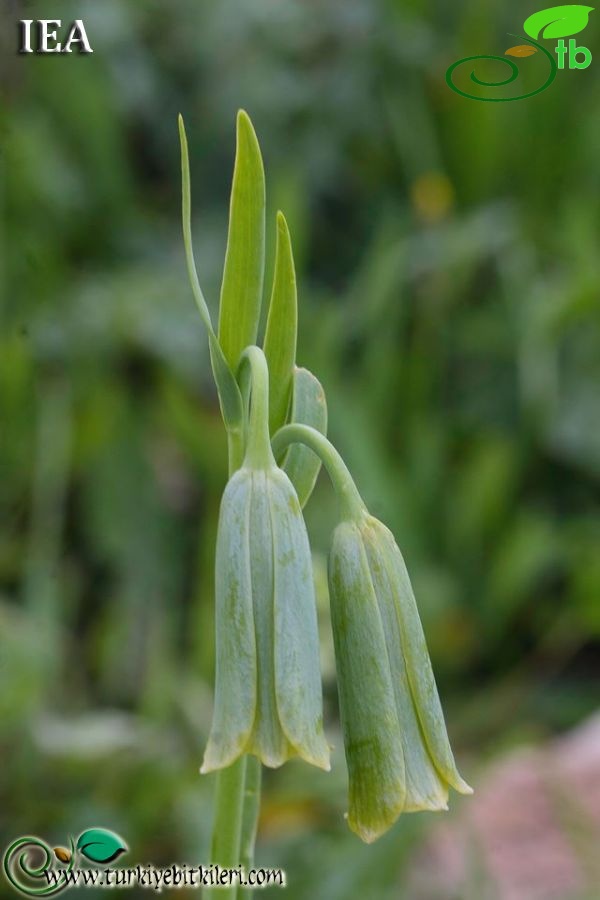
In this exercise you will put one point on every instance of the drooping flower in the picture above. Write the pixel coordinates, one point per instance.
(397, 748)
(268, 697)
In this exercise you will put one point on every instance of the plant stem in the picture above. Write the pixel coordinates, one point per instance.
(350, 501)
(227, 825)
(250, 816)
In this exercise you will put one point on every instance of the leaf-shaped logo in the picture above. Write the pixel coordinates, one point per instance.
(558, 21)
(521, 50)
(100, 845)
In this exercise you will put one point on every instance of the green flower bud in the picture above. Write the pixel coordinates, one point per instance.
(268, 697)
(397, 748)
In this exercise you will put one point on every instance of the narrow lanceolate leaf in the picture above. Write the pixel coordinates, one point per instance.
(229, 394)
(241, 290)
(309, 407)
(282, 328)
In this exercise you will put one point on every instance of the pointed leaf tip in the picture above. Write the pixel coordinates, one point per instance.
(242, 285)
(245, 130)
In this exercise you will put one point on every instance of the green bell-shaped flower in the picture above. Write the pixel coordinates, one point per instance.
(397, 748)
(268, 697)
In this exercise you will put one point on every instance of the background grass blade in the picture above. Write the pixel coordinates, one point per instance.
(282, 328)
(243, 273)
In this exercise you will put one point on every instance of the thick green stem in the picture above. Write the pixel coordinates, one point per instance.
(250, 816)
(227, 824)
(350, 501)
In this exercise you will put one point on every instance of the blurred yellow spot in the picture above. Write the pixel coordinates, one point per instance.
(289, 817)
(432, 196)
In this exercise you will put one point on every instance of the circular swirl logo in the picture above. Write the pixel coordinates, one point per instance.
(556, 22)
(26, 862)
(29, 861)
(514, 74)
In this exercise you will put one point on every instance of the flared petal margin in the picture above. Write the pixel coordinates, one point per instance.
(268, 698)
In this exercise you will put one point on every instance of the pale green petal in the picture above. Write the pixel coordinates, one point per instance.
(424, 787)
(370, 723)
(296, 640)
(418, 664)
(235, 687)
(268, 741)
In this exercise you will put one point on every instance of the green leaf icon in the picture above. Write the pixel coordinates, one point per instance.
(558, 21)
(100, 845)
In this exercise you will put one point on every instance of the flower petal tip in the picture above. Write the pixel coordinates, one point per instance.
(321, 760)
(369, 825)
(211, 765)
(461, 786)
(367, 835)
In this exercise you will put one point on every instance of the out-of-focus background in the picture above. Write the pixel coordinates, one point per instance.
(448, 267)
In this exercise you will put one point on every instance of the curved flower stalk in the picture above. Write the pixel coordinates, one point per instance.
(268, 688)
(397, 748)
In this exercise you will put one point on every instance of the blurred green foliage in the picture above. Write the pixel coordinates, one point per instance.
(448, 285)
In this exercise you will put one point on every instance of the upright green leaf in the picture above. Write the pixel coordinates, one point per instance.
(309, 407)
(558, 21)
(282, 328)
(229, 394)
(241, 290)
